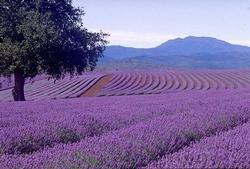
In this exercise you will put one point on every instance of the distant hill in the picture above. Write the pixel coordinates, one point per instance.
(191, 52)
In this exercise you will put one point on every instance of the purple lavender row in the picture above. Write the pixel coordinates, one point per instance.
(31, 88)
(6, 83)
(22, 114)
(35, 134)
(28, 112)
(140, 144)
(35, 128)
(44, 89)
(48, 129)
(181, 80)
(225, 150)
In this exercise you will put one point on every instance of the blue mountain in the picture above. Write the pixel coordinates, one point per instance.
(187, 46)
(189, 52)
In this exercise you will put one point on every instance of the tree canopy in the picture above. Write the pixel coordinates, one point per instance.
(45, 36)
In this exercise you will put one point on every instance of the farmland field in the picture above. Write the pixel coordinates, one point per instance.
(124, 84)
(132, 83)
(174, 119)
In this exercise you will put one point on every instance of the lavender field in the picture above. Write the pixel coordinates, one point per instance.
(196, 127)
(131, 83)
(42, 88)
(124, 84)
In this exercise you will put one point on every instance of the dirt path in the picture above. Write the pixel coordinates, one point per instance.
(93, 90)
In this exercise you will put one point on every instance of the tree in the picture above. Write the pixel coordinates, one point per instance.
(45, 36)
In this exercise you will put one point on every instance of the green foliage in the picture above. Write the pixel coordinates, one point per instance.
(68, 136)
(46, 36)
(86, 159)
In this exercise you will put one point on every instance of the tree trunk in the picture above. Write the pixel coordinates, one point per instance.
(18, 91)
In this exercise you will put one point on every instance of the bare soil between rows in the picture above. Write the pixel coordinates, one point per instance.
(93, 90)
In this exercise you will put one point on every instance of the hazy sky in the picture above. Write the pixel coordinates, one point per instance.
(148, 23)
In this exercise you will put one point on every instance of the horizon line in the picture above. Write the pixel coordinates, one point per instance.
(239, 43)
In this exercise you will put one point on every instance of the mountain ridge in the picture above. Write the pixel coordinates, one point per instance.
(181, 46)
(190, 52)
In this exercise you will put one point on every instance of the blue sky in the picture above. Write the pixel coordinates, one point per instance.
(148, 23)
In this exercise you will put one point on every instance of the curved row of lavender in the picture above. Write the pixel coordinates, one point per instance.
(47, 129)
(119, 132)
(134, 83)
(70, 124)
(5, 83)
(50, 89)
(225, 150)
(8, 82)
(129, 83)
